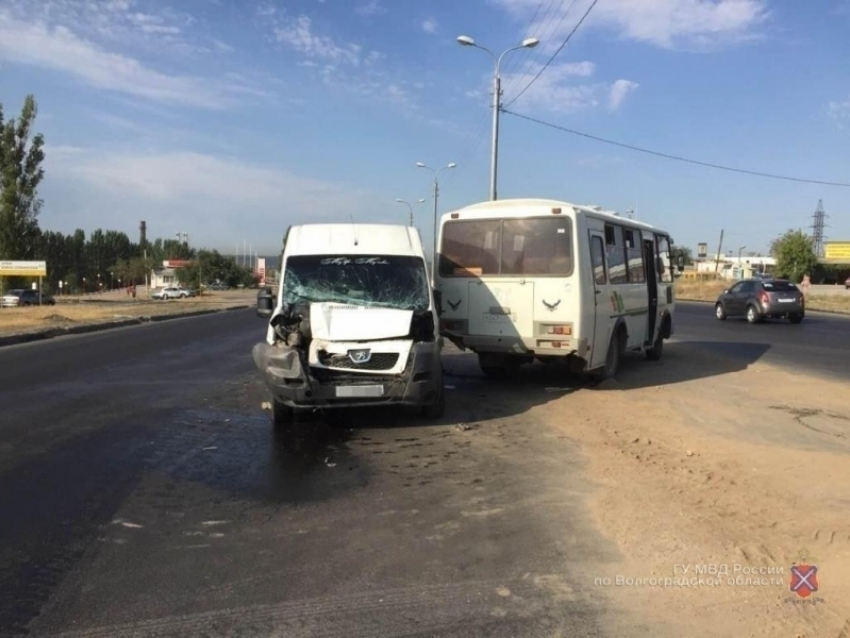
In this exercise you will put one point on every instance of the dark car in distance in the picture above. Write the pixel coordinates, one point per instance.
(760, 299)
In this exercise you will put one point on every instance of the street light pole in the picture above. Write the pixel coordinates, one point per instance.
(528, 43)
(436, 194)
(410, 207)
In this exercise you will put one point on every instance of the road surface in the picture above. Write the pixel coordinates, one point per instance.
(819, 345)
(142, 491)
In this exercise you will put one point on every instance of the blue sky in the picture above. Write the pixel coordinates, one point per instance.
(231, 119)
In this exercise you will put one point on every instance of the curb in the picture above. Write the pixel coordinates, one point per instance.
(51, 333)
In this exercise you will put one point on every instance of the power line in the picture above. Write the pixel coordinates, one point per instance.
(554, 55)
(677, 157)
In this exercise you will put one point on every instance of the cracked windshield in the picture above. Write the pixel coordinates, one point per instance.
(480, 319)
(378, 281)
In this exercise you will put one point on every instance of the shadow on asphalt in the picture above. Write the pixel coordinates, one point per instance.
(685, 361)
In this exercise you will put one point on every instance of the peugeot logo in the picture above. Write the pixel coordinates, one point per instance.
(360, 356)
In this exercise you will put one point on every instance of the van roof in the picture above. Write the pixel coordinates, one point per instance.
(519, 207)
(354, 239)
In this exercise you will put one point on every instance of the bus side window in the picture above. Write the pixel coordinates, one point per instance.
(616, 254)
(597, 255)
(634, 254)
(665, 267)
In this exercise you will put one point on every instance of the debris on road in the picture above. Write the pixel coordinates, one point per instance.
(212, 447)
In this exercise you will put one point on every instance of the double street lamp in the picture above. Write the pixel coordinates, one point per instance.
(436, 194)
(528, 43)
(410, 206)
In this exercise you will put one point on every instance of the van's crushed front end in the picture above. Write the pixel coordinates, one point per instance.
(327, 355)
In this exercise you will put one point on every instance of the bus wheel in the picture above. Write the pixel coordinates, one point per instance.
(612, 359)
(654, 353)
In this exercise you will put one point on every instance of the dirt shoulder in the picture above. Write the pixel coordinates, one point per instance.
(112, 308)
(747, 470)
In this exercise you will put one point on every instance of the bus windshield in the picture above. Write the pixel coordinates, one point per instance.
(522, 246)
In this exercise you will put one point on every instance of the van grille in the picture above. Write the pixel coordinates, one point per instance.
(379, 361)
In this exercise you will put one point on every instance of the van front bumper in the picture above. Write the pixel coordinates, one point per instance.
(293, 385)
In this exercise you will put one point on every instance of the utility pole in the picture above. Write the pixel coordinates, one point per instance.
(817, 228)
(719, 252)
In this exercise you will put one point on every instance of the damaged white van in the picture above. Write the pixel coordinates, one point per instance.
(354, 322)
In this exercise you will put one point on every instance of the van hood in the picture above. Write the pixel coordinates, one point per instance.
(341, 322)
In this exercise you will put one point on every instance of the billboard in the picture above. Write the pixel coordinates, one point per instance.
(23, 269)
(837, 250)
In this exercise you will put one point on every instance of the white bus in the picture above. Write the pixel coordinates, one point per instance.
(529, 279)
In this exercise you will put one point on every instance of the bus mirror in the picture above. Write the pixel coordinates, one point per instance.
(680, 262)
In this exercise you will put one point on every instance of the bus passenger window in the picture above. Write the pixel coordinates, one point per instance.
(665, 268)
(616, 254)
(597, 254)
(634, 253)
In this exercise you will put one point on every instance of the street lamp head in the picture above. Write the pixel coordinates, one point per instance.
(400, 201)
(466, 41)
(420, 164)
(452, 165)
(421, 201)
(530, 43)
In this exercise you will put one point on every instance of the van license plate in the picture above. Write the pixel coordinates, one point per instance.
(359, 391)
(786, 301)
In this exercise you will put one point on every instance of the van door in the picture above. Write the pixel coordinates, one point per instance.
(601, 311)
(651, 270)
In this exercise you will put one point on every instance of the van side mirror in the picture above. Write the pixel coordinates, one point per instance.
(438, 302)
(265, 303)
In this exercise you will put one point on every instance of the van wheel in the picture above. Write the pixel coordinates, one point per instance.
(753, 315)
(720, 312)
(437, 408)
(612, 358)
(795, 318)
(282, 414)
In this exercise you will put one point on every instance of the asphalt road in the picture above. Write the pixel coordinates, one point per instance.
(143, 492)
(819, 345)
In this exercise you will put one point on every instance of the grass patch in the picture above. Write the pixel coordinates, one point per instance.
(106, 309)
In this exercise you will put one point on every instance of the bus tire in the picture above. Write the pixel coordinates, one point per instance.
(654, 353)
(614, 354)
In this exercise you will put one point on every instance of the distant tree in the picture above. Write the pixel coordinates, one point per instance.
(20, 174)
(795, 255)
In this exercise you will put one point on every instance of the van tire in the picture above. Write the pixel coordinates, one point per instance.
(282, 414)
(437, 408)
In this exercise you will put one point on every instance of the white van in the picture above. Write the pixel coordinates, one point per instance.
(354, 322)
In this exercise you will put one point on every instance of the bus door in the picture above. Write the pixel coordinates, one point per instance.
(651, 269)
(601, 308)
